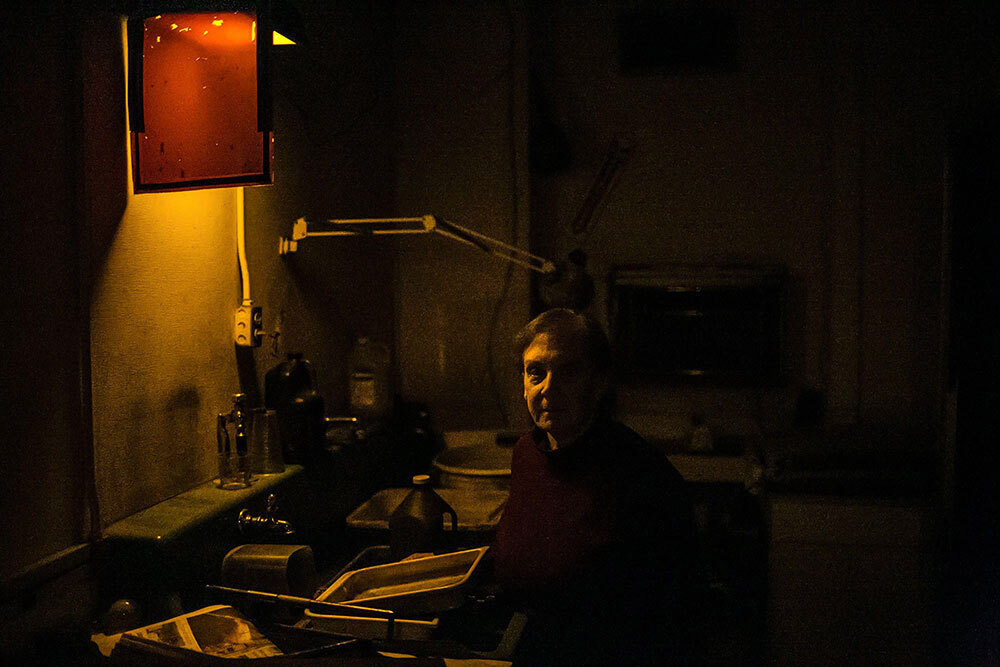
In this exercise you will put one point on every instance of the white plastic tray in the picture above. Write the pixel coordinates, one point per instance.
(418, 585)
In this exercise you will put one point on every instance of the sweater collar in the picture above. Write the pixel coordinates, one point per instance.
(540, 439)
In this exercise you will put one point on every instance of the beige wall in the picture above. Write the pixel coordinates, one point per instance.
(461, 154)
(333, 158)
(161, 348)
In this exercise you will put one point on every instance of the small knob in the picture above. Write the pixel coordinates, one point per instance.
(123, 615)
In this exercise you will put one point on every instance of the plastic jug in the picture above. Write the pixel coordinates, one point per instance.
(417, 525)
(369, 380)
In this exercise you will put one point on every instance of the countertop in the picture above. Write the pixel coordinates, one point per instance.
(178, 515)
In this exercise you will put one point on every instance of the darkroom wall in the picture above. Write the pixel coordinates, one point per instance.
(823, 149)
(460, 152)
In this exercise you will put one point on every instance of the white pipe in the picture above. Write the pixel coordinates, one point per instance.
(241, 246)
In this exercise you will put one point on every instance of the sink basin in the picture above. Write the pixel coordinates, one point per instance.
(475, 466)
(477, 510)
(475, 461)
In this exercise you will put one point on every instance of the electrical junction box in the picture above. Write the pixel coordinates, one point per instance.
(248, 327)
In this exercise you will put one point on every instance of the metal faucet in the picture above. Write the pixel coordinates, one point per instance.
(238, 414)
(269, 523)
(228, 477)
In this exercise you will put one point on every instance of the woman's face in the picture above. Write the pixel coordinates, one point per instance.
(561, 387)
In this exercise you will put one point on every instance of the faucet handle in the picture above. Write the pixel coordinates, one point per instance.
(269, 523)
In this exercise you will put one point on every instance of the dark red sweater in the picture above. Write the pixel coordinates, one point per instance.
(597, 538)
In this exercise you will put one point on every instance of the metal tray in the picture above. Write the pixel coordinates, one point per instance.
(419, 585)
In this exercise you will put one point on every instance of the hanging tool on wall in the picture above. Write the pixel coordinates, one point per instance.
(570, 286)
(593, 204)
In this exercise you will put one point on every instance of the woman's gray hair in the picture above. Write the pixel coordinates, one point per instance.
(565, 322)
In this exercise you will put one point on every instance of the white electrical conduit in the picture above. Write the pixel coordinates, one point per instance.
(241, 246)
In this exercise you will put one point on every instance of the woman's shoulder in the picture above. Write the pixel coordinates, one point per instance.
(637, 454)
(625, 440)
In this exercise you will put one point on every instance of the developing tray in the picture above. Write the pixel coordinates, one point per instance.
(417, 586)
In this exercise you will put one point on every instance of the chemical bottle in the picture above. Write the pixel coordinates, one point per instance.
(417, 525)
(286, 380)
(283, 384)
(368, 384)
(306, 426)
(701, 436)
(274, 389)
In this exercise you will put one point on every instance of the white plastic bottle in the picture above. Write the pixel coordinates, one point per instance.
(368, 384)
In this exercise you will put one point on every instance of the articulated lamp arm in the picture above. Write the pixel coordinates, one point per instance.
(421, 225)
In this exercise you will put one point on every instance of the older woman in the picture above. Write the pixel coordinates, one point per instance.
(596, 542)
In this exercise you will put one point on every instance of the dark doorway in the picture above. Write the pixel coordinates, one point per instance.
(971, 592)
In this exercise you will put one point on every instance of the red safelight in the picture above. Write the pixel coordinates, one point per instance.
(199, 104)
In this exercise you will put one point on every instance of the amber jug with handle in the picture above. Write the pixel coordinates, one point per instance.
(417, 524)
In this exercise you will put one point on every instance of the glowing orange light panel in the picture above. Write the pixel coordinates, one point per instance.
(199, 104)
